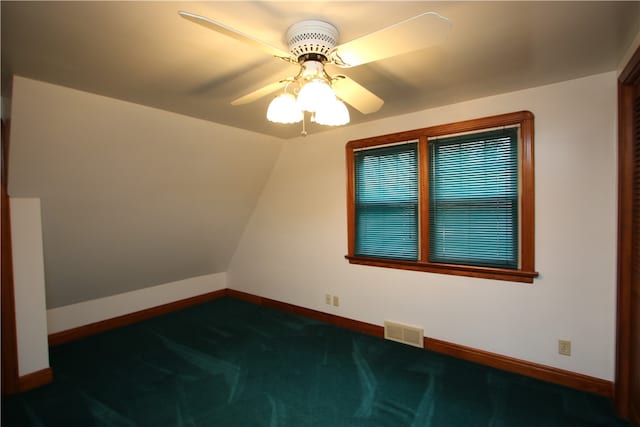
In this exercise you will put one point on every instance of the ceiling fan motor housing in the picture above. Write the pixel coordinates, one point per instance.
(309, 38)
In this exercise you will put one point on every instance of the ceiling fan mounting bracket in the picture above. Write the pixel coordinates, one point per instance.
(311, 37)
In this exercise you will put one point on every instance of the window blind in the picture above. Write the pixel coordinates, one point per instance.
(386, 202)
(474, 199)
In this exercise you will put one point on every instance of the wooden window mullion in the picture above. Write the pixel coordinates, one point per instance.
(423, 156)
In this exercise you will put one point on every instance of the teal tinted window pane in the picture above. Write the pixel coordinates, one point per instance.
(386, 202)
(474, 199)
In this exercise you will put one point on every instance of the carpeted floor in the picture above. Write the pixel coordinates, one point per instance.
(230, 363)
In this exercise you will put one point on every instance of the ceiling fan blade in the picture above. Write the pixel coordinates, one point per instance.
(418, 32)
(356, 95)
(231, 32)
(257, 94)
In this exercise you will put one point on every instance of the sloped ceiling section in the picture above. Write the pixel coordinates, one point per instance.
(131, 196)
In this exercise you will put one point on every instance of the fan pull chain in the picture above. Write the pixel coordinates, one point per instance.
(304, 128)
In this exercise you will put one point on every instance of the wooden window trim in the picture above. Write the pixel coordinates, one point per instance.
(526, 272)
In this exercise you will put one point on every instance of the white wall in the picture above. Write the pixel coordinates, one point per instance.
(83, 313)
(131, 196)
(34, 322)
(28, 279)
(294, 245)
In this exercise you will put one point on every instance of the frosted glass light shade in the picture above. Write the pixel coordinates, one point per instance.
(284, 109)
(314, 95)
(333, 114)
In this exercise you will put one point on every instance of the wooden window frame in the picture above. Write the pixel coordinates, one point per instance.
(525, 273)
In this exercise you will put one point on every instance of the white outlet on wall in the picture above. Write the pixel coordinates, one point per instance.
(336, 300)
(327, 299)
(564, 347)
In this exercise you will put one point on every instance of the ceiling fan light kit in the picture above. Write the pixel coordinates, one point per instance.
(313, 44)
(316, 97)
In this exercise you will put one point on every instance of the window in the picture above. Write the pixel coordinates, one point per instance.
(473, 199)
(387, 202)
(455, 199)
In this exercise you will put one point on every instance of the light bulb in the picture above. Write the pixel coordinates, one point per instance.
(284, 109)
(314, 95)
(333, 114)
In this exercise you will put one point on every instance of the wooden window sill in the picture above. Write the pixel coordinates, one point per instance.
(457, 270)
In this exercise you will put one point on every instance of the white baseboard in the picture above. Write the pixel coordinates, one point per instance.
(87, 312)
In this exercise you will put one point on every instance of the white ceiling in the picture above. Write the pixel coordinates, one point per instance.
(145, 53)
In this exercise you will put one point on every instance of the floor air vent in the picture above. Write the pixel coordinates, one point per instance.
(405, 334)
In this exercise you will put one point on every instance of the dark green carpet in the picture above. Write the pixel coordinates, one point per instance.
(230, 363)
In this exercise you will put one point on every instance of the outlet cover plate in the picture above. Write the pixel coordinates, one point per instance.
(564, 347)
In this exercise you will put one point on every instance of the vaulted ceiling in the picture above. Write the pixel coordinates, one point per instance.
(145, 53)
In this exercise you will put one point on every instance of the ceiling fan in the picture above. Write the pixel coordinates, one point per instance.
(313, 44)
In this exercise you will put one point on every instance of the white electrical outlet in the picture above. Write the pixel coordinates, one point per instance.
(336, 300)
(327, 299)
(564, 347)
